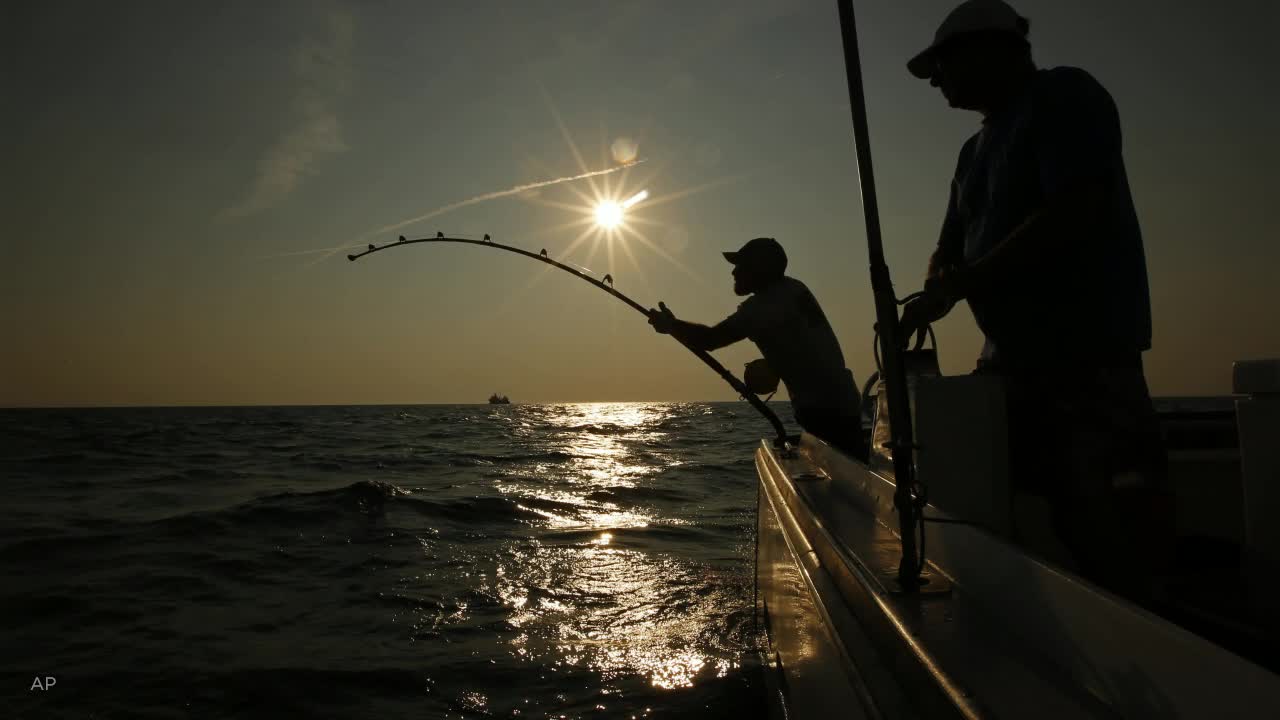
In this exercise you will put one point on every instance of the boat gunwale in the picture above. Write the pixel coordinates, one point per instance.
(817, 580)
(935, 693)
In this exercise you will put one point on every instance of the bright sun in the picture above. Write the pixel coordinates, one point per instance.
(608, 214)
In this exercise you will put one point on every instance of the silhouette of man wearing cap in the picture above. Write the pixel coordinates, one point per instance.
(785, 321)
(1042, 240)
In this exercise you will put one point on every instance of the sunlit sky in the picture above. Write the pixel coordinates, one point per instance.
(165, 158)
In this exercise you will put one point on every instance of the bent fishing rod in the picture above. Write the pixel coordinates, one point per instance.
(908, 498)
(607, 286)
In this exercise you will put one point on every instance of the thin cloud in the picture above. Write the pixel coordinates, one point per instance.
(323, 70)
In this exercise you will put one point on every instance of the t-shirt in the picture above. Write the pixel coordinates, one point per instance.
(785, 321)
(1092, 298)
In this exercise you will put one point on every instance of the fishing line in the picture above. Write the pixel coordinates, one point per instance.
(605, 284)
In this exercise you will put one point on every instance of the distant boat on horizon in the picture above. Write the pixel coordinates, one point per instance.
(496, 399)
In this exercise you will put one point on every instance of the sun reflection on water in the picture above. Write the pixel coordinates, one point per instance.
(612, 611)
(598, 431)
(582, 595)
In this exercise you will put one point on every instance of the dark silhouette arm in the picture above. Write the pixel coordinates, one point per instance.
(701, 337)
(948, 256)
(946, 259)
(695, 335)
(950, 250)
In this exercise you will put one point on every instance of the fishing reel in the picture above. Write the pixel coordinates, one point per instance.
(760, 378)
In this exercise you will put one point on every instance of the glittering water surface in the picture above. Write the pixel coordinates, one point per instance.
(424, 561)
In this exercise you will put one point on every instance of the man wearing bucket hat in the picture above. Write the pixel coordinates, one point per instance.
(784, 320)
(1042, 240)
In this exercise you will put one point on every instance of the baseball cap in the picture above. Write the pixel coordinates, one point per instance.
(762, 253)
(970, 16)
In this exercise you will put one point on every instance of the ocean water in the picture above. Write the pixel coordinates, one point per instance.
(538, 561)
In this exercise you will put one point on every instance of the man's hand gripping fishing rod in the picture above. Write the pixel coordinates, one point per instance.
(780, 440)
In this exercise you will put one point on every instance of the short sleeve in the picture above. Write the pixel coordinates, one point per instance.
(1076, 131)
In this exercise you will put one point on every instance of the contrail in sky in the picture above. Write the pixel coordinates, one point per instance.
(498, 194)
(461, 203)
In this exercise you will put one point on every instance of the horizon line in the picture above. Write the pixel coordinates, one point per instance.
(374, 404)
(123, 406)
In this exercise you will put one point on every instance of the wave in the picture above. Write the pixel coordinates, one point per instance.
(56, 458)
(639, 494)
(604, 428)
(646, 535)
(470, 511)
(478, 459)
(367, 498)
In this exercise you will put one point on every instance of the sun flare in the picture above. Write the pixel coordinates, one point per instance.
(616, 214)
(608, 214)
